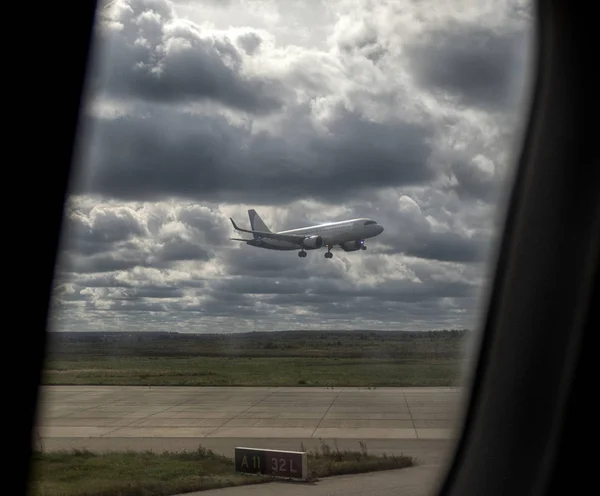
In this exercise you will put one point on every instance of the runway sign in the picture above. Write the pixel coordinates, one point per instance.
(277, 463)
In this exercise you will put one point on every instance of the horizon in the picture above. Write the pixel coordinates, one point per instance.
(266, 331)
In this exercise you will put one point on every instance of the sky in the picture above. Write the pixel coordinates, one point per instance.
(407, 112)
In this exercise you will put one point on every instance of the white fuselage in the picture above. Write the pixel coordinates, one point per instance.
(333, 233)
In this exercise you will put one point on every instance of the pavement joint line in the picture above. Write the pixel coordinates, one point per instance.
(113, 422)
(327, 411)
(138, 419)
(267, 396)
(411, 415)
(40, 410)
(68, 415)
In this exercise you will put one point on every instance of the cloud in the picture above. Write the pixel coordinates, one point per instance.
(250, 42)
(109, 237)
(319, 111)
(205, 158)
(476, 65)
(155, 56)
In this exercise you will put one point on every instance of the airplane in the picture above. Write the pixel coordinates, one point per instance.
(350, 235)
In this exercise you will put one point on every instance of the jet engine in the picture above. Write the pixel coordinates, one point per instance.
(313, 242)
(352, 245)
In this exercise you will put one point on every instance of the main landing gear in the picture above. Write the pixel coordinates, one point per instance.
(302, 253)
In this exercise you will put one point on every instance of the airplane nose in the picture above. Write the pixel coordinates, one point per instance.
(380, 229)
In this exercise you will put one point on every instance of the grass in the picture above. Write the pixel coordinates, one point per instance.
(306, 344)
(327, 462)
(84, 473)
(248, 371)
(290, 358)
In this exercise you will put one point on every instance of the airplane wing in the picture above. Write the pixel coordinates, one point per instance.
(290, 238)
(240, 239)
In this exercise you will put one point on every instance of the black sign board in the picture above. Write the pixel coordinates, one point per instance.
(250, 461)
(277, 463)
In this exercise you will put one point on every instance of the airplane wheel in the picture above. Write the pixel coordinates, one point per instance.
(302, 254)
(363, 247)
(328, 255)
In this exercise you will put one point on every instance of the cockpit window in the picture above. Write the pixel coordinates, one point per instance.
(370, 222)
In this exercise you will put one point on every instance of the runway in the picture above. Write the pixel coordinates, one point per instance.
(223, 412)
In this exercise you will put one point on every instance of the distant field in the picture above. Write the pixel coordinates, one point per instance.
(265, 359)
(209, 371)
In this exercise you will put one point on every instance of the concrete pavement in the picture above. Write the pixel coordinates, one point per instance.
(212, 412)
(420, 422)
(413, 481)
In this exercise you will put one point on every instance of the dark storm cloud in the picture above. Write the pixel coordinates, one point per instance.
(343, 290)
(324, 300)
(478, 65)
(213, 3)
(148, 297)
(305, 299)
(109, 262)
(152, 57)
(255, 262)
(151, 256)
(366, 44)
(250, 42)
(144, 293)
(139, 306)
(258, 285)
(100, 281)
(140, 286)
(412, 235)
(112, 238)
(69, 293)
(156, 292)
(165, 153)
(394, 290)
(474, 183)
(400, 238)
(208, 222)
(449, 247)
(408, 231)
(239, 306)
(180, 249)
(99, 231)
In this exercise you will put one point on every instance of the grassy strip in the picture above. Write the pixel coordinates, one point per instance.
(84, 473)
(289, 371)
(327, 462)
(315, 344)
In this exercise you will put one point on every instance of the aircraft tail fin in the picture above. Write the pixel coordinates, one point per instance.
(256, 223)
